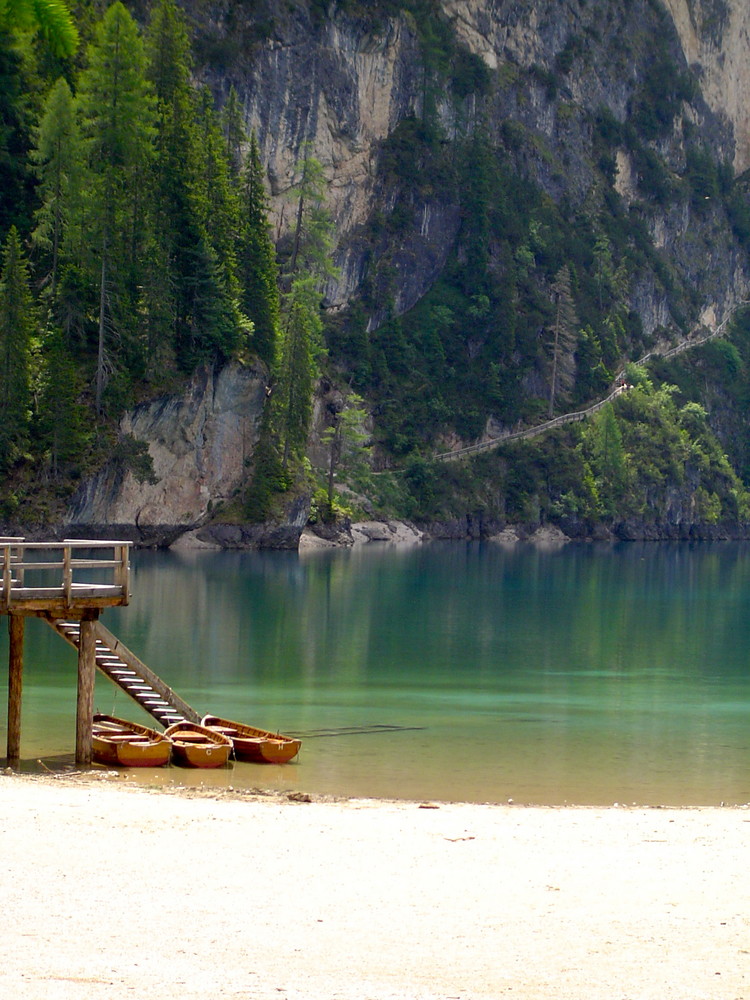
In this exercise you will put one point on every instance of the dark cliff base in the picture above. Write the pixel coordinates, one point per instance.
(475, 528)
(472, 527)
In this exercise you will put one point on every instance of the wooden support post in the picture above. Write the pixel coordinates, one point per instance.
(16, 625)
(86, 679)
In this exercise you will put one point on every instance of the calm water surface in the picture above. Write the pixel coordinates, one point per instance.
(586, 675)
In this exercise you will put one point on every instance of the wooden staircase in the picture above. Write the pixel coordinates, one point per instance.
(125, 670)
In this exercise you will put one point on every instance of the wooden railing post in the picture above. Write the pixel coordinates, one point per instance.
(86, 680)
(7, 575)
(67, 580)
(16, 628)
(122, 573)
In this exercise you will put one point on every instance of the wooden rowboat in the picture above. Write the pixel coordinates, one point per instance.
(257, 745)
(120, 743)
(198, 746)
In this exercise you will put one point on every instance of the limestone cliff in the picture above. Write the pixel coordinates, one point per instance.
(715, 37)
(339, 88)
(198, 441)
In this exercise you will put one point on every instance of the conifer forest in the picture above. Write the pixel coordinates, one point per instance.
(532, 234)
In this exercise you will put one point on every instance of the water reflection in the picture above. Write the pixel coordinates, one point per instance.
(590, 674)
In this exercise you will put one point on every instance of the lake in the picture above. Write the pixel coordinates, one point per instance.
(592, 674)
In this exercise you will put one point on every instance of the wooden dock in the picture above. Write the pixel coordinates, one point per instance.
(68, 584)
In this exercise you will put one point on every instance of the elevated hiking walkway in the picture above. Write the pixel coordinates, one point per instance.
(696, 338)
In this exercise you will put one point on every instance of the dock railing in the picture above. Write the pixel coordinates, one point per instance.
(29, 580)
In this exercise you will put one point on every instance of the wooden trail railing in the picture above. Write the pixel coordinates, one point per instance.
(30, 583)
(567, 418)
(529, 432)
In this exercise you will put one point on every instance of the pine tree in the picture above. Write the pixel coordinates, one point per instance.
(217, 194)
(192, 288)
(58, 162)
(301, 345)
(312, 240)
(604, 267)
(51, 18)
(179, 257)
(233, 127)
(301, 340)
(564, 333)
(17, 325)
(344, 437)
(116, 108)
(16, 195)
(257, 267)
(61, 418)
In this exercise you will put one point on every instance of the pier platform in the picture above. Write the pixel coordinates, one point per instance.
(68, 584)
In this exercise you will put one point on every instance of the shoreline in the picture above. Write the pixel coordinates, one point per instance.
(379, 533)
(113, 888)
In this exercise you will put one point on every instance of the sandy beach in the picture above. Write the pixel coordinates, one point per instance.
(113, 891)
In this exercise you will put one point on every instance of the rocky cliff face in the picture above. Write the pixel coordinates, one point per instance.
(715, 38)
(339, 87)
(198, 443)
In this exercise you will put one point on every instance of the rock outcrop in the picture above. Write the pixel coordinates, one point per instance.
(198, 442)
(339, 87)
(715, 37)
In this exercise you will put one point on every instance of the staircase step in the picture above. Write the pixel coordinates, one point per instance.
(116, 666)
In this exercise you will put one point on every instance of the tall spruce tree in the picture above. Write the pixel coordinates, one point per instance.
(61, 424)
(301, 338)
(563, 339)
(301, 346)
(58, 162)
(17, 326)
(233, 127)
(116, 110)
(192, 291)
(217, 193)
(256, 255)
(16, 196)
(312, 239)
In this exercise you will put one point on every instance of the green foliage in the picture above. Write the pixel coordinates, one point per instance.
(15, 136)
(61, 418)
(312, 239)
(637, 458)
(738, 210)
(660, 95)
(469, 74)
(191, 284)
(562, 339)
(268, 479)
(703, 176)
(58, 160)
(17, 324)
(133, 455)
(257, 261)
(50, 18)
(344, 437)
(300, 347)
(116, 114)
(327, 509)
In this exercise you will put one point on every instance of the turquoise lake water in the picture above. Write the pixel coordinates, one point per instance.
(593, 674)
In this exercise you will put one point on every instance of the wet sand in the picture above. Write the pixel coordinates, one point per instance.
(111, 890)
